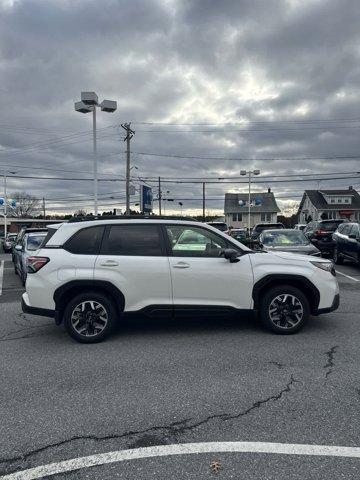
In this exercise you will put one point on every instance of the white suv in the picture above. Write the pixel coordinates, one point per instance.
(89, 274)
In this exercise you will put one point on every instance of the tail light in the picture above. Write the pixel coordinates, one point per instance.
(321, 233)
(34, 264)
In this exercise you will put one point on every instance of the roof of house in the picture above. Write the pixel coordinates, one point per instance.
(267, 202)
(319, 202)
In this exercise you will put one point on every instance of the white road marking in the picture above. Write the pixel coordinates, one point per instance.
(183, 449)
(348, 276)
(1, 275)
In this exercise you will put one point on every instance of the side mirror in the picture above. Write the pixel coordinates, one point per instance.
(232, 255)
(19, 248)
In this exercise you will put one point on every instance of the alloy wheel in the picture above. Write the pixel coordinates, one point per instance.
(89, 318)
(286, 311)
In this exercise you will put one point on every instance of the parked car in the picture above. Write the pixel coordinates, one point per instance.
(347, 243)
(29, 244)
(320, 234)
(222, 226)
(9, 242)
(87, 275)
(240, 235)
(299, 226)
(255, 233)
(23, 231)
(286, 240)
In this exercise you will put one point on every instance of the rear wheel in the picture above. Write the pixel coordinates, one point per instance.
(337, 258)
(90, 317)
(284, 309)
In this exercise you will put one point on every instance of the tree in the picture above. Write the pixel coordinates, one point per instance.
(80, 213)
(26, 205)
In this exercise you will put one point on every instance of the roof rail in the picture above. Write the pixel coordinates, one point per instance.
(91, 218)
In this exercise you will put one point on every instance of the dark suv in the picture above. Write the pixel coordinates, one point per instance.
(320, 234)
(347, 243)
(260, 227)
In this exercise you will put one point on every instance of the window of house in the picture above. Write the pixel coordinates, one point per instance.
(266, 217)
(237, 217)
(332, 200)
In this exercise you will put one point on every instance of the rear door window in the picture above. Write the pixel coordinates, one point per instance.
(86, 241)
(134, 240)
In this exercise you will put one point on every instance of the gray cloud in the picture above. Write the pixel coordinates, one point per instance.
(173, 61)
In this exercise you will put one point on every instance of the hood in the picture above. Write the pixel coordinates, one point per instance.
(296, 256)
(300, 249)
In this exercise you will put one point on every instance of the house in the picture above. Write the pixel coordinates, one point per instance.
(263, 209)
(329, 204)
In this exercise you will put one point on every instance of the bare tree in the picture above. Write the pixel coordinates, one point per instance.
(80, 213)
(26, 205)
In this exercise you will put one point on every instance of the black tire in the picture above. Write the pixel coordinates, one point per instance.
(337, 259)
(280, 322)
(90, 336)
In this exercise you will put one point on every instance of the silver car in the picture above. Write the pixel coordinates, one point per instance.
(29, 244)
(286, 240)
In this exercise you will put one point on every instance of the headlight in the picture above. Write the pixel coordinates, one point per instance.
(327, 266)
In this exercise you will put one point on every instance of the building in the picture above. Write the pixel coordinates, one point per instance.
(329, 204)
(263, 209)
(15, 224)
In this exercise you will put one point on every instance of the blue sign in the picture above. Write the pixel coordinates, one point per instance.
(13, 203)
(146, 199)
(258, 202)
(2, 201)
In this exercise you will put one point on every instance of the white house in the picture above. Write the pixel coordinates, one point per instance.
(329, 204)
(263, 209)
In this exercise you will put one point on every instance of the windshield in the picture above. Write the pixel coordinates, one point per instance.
(34, 241)
(329, 226)
(281, 238)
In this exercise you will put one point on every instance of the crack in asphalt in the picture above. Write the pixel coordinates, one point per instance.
(171, 431)
(330, 360)
(277, 364)
(26, 326)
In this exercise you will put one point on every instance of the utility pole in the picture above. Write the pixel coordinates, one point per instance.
(159, 196)
(129, 135)
(254, 172)
(203, 205)
(5, 207)
(44, 207)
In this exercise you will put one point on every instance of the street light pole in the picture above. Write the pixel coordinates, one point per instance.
(5, 207)
(89, 103)
(249, 173)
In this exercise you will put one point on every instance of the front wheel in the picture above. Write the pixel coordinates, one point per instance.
(284, 309)
(90, 317)
(337, 259)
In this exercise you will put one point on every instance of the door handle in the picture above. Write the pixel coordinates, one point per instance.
(109, 263)
(181, 265)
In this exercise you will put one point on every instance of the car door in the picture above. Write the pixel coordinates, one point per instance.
(343, 240)
(353, 243)
(200, 276)
(133, 258)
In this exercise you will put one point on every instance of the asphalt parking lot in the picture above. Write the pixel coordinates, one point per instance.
(157, 383)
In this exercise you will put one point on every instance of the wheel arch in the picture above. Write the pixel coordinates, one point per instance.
(67, 291)
(298, 281)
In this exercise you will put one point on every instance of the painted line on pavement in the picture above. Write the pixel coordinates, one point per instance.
(348, 276)
(182, 449)
(1, 275)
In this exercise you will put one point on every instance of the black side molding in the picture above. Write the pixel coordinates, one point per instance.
(42, 312)
(334, 306)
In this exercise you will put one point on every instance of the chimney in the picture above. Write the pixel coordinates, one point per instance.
(269, 190)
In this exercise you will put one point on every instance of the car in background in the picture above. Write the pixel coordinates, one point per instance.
(9, 242)
(347, 243)
(22, 251)
(256, 231)
(222, 226)
(287, 240)
(320, 234)
(23, 231)
(240, 235)
(299, 226)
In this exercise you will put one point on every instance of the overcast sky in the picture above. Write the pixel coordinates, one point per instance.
(253, 80)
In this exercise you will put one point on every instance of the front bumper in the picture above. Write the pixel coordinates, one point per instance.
(43, 312)
(334, 306)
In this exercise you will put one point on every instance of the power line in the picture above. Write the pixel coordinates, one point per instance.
(260, 122)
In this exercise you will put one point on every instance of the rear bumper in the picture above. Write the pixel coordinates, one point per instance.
(323, 246)
(334, 306)
(43, 312)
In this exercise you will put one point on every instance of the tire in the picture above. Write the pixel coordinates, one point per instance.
(92, 308)
(284, 322)
(337, 259)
